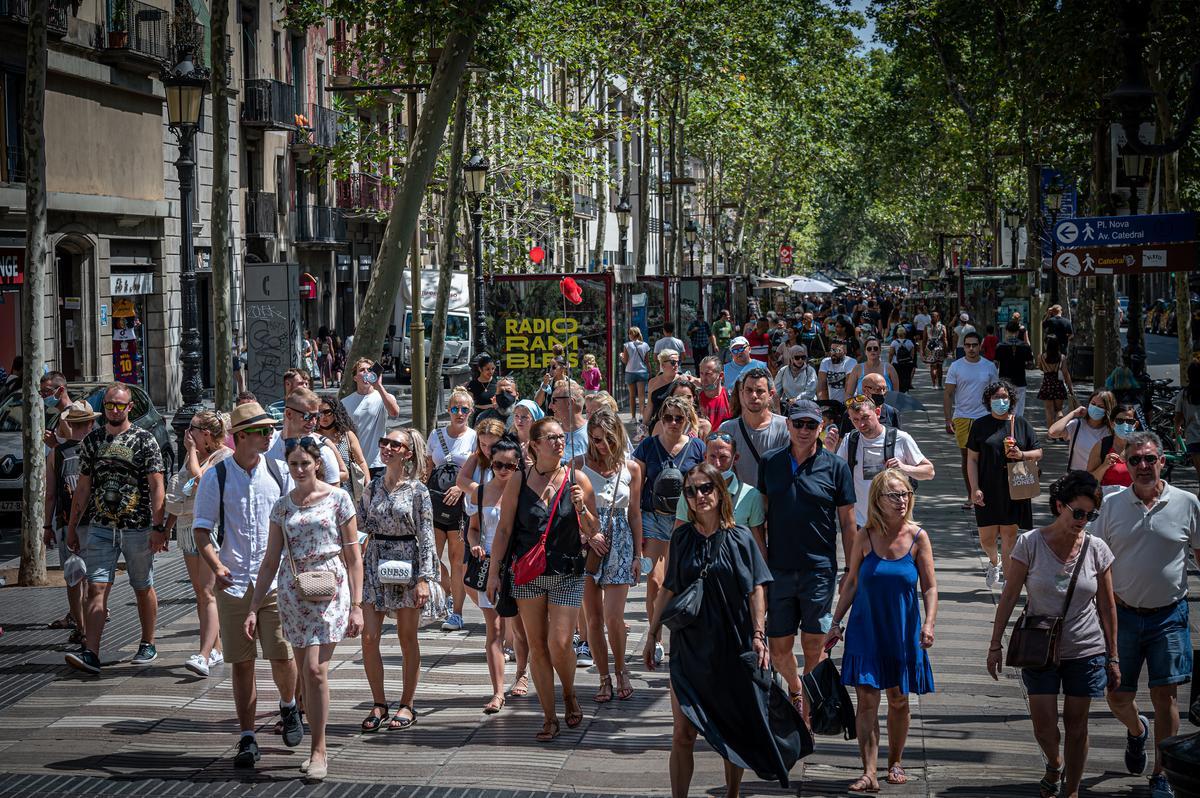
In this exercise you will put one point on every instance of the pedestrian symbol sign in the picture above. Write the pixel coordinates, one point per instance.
(1102, 231)
(1068, 264)
(1066, 232)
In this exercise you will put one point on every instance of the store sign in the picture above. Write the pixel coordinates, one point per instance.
(308, 286)
(12, 266)
(529, 342)
(131, 284)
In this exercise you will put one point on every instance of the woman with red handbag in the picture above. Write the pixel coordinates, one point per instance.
(546, 516)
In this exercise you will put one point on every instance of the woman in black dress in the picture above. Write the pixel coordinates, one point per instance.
(995, 440)
(555, 501)
(482, 385)
(721, 683)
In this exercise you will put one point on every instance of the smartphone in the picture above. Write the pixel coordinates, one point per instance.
(378, 369)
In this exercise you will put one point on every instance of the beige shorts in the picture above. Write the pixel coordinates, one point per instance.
(231, 614)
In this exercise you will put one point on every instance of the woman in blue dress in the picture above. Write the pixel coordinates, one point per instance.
(886, 642)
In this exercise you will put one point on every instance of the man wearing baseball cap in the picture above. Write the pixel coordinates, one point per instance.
(739, 361)
(809, 496)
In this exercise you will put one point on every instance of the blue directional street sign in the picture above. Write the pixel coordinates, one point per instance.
(1102, 231)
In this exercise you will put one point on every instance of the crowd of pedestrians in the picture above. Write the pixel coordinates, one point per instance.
(768, 496)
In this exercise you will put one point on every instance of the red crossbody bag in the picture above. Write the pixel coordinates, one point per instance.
(532, 563)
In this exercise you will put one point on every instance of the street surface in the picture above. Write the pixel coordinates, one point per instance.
(159, 728)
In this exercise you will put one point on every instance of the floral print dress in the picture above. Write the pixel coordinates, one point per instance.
(314, 538)
(399, 525)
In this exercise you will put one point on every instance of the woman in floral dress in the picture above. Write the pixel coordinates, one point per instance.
(313, 529)
(397, 516)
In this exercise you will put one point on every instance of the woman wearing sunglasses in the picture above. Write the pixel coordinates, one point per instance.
(397, 516)
(1044, 562)
(699, 426)
(1107, 459)
(873, 365)
(659, 386)
(452, 444)
(664, 459)
(338, 428)
(886, 641)
(716, 658)
(551, 503)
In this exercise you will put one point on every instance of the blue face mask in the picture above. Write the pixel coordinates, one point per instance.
(1000, 406)
(728, 474)
(1095, 413)
(50, 401)
(1124, 429)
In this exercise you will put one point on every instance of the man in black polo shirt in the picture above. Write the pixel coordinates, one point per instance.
(809, 494)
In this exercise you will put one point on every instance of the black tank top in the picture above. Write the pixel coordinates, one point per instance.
(564, 552)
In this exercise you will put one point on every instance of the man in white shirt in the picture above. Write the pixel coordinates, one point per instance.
(831, 376)
(1151, 527)
(920, 322)
(668, 340)
(300, 414)
(797, 379)
(370, 406)
(240, 510)
(962, 402)
(872, 447)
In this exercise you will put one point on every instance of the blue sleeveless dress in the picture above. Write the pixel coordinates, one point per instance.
(883, 635)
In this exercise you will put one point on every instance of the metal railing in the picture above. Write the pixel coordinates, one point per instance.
(268, 103)
(363, 191)
(138, 28)
(14, 164)
(18, 11)
(261, 212)
(318, 127)
(318, 224)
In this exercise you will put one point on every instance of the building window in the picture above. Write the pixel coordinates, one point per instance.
(12, 103)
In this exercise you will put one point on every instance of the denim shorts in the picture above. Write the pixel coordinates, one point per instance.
(800, 600)
(104, 545)
(634, 377)
(1161, 640)
(1085, 677)
(657, 526)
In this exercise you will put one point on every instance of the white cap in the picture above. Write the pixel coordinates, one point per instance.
(739, 341)
(963, 316)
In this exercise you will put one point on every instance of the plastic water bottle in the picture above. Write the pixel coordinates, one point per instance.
(370, 378)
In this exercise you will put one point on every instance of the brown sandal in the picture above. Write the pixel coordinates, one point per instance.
(520, 686)
(495, 705)
(550, 730)
(574, 714)
(624, 686)
(864, 784)
(896, 775)
(605, 693)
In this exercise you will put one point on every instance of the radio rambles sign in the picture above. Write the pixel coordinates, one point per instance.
(529, 343)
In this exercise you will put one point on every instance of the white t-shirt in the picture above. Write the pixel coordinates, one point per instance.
(970, 379)
(668, 342)
(277, 461)
(370, 417)
(835, 376)
(921, 321)
(960, 331)
(871, 462)
(1088, 437)
(461, 447)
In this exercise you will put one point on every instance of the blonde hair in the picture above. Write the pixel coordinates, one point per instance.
(604, 399)
(667, 354)
(879, 485)
(211, 422)
(635, 334)
(574, 390)
(608, 422)
(589, 360)
(684, 405)
(489, 426)
(414, 468)
(361, 361)
(461, 393)
(305, 396)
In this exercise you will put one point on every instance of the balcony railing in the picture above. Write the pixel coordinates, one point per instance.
(14, 164)
(363, 192)
(318, 225)
(17, 11)
(137, 31)
(317, 127)
(269, 104)
(345, 67)
(261, 213)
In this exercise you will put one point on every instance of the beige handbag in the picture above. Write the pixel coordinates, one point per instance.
(311, 585)
(1024, 478)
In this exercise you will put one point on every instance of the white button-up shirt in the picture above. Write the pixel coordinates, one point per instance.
(249, 497)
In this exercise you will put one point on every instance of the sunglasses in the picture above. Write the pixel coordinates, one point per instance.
(117, 405)
(504, 466)
(899, 495)
(326, 412)
(702, 489)
(459, 410)
(1143, 459)
(672, 362)
(858, 399)
(194, 428)
(1079, 515)
(670, 418)
(872, 349)
(799, 358)
(557, 438)
(737, 350)
(719, 436)
(392, 443)
(304, 414)
(560, 398)
(291, 443)
(805, 423)
(264, 431)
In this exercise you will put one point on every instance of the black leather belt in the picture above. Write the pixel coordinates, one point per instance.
(1144, 610)
(394, 537)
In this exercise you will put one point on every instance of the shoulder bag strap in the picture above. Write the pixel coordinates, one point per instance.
(222, 473)
(287, 548)
(749, 441)
(442, 441)
(1083, 550)
(554, 508)
(1074, 437)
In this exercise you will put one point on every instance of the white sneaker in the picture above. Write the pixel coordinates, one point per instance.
(993, 577)
(197, 665)
(215, 658)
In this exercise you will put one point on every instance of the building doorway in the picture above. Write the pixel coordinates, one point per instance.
(72, 299)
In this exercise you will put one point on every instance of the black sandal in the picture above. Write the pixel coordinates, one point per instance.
(372, 722)
(398, 723)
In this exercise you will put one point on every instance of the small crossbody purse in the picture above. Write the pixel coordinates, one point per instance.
(311, 585)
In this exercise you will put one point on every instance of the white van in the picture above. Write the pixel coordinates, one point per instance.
(456, 357)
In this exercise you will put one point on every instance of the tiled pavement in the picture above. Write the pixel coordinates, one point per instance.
(158, 730)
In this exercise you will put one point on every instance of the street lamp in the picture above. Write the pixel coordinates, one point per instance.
(1137, 166)
(1013, 217)
(185, 85)
(475, 184)
(690, 233)
(623, 212)
(1054, 198)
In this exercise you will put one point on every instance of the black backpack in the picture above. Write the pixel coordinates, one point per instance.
(904, 355)
(668, 485)
(830, 709)
(441, 480)
(889, 450)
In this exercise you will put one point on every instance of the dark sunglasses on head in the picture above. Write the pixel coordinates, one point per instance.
(307, 440)
(1142, 459)
(304, 414)
(702, 489)
(805, 423)
(392, 443)
(719, 436)
(1079, 515)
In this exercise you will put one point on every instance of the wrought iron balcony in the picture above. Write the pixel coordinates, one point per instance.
(316, 128)
(12, 170)
(261, 214)
(364, 193)
(17, 13)
(268, 104)
(137, 34)
(318, 226)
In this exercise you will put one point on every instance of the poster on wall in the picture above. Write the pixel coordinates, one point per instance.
(126, 348)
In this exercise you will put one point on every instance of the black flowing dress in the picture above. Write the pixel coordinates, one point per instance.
(738, 708)
(987, 438)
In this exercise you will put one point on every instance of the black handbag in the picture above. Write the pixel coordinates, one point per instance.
(476, 574)
(684, 607)
(1035, 638)
(830, 710)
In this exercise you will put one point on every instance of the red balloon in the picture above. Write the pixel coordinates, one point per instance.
(537, 254)
(571, 290)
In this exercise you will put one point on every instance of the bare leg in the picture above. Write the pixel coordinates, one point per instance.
(1043, 711)
(656, 550)
(785, 661)
(866, 722)
(245, 694)
(559, 628)
(593, 612)
(203, 583)
(313, 662)
(897, 723)
(494, 646)
(1075, 750)
(534, 616)
(987, 541)
(456, 550)
(683, 744)
(614, 621)
(147, 607)
(966, 479)
(97, 600)
(1166, 717)
(439, 541)
(1008, 539)
(410, 648)
(372, 659)
(285, 676)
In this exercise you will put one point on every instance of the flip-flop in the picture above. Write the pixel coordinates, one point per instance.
(896, 775)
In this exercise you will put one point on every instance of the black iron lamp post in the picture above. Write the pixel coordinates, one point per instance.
(727, 248)
(475, 183)
(1013, 218)
(690, 233)
(1054, 198)
(1137, 166)
(185, 86)
(623, 212)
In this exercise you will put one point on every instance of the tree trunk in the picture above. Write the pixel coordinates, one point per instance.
(402, 221)
(222, 307)
(437, 340)
(33, 293)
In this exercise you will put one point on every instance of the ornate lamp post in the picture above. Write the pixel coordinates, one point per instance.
(1054, 197)
(1137, 166)
(475, 183)
(690, 233)
(623, 212)
(1013, 218)
(185, 86)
